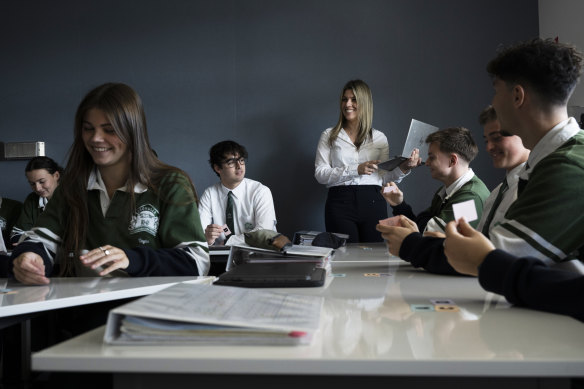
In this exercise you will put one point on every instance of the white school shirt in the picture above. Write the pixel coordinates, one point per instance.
(253, 208)
(337, 166)
(508, 198)
(43, 201)
(95, 182)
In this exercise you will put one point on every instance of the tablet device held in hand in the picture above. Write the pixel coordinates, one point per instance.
(416, 139)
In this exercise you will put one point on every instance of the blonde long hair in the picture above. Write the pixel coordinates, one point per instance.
(362, 93)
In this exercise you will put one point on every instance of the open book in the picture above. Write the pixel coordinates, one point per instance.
(208, 314)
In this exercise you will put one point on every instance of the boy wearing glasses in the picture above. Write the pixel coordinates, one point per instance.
(235, 204)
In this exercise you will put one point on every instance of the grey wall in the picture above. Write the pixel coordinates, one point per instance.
(562, 19)
(264, 73)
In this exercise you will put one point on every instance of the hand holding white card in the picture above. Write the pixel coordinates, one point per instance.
(466, 209)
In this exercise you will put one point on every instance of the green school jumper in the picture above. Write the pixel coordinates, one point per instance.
(474, 189)
(9, 212)
(28, 216)
(548, 214)
(161, 237)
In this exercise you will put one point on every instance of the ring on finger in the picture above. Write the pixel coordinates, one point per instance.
(106, 252)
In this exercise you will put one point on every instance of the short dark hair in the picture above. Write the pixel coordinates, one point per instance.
(46, 163)
(487, 115)
(455, 140)
(219, 150)
(550, 68)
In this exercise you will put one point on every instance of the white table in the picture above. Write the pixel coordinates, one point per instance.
(22, 302)
(74, 291)
(371, 333)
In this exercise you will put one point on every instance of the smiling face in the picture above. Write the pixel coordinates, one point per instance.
(42, 182)
(438, 162)
(507, 152)
(349, 106)
(101, 141)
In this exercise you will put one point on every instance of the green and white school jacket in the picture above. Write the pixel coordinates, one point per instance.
(162, 235)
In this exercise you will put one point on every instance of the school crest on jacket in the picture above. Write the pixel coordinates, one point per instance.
(146, 219)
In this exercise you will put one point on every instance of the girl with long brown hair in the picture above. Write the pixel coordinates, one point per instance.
(119, 210)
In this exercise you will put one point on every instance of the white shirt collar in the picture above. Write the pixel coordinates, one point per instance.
(555, 137)
(95, 182)
(344, 136)
(446, 192)
(513, 175)
(43, 202)
(236, 191)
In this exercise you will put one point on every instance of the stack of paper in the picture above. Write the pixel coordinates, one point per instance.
(304, 237)
(208, 314)
(241, 254)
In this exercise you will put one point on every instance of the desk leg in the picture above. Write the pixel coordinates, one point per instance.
(25, 351)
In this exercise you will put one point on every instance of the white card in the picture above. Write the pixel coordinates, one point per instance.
(389, 189)
(466, 209)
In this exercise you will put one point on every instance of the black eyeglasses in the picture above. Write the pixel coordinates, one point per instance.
(232, 161)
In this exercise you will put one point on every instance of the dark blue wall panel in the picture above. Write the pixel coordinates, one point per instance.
(264, 73)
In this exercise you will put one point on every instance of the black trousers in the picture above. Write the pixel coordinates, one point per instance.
(355, 210)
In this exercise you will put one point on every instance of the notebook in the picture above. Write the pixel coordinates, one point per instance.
(241, 255)
(274, 275)
(416, 139)
(198, 314)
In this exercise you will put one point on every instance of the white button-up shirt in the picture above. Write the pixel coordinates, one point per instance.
(337, 165)
(253, 207)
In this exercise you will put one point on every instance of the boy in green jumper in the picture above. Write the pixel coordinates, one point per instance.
(450, 152)
(533, 82)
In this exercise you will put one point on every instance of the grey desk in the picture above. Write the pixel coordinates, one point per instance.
(372, 333)
(23, 302)
(74, 291)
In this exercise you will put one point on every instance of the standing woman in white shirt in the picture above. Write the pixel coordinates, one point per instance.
(346, 162)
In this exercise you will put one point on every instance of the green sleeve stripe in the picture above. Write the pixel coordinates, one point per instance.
(533, 242)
